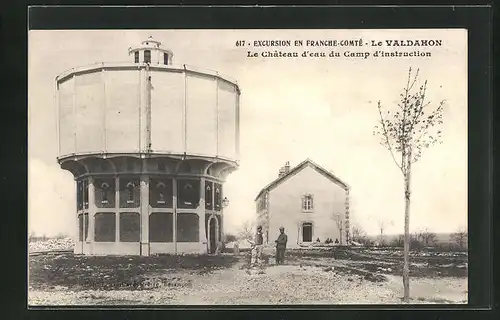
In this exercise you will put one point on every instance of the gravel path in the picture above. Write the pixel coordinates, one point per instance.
(288, 284)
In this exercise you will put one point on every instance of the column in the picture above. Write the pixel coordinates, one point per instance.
(143, 87)
(220, 225)
(201, 215)
(144, 211)
(117, 209)
(174, 207)
(92, 211)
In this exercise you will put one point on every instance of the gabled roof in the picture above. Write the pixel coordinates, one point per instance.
(297, 169)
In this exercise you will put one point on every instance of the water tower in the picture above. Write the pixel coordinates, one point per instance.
(150, 145)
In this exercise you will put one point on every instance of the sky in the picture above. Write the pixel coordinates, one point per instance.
(324, 109)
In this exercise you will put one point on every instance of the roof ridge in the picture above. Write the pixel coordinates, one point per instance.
(297, 167)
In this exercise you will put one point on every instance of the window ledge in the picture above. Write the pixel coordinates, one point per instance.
(307, 211)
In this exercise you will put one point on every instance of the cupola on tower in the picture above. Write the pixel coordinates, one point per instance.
(150, 51)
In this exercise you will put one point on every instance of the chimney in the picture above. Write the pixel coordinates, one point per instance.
(284, 170)
(287, 167)
(281, 172)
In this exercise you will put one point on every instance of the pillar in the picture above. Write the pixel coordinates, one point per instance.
(117, 209)
(174, 207)
(92, 211)
(144, 212)
(201, 216)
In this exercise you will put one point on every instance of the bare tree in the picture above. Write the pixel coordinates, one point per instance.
(427, 238)
(398, 241)
(246, 231)
(460, 238)
(405, 133)
(359, 235)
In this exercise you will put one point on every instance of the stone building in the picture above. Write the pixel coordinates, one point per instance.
(309, 202)
(150, 145)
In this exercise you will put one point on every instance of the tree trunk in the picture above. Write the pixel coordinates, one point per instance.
(406, 265)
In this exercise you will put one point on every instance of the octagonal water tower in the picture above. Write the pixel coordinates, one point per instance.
(150, 145)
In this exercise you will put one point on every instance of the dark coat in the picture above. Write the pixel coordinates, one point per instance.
(282, 240)
(258, 238)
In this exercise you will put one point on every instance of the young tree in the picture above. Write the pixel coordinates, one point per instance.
(405, 133)
(382, 225)
(246, 231)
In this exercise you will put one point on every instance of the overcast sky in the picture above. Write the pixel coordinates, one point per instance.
(291, 109)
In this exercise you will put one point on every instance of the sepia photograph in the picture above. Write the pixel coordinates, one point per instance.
(247, 167)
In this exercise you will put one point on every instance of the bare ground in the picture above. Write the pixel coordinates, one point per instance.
(307, 278)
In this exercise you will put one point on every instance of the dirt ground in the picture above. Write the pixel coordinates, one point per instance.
(306, 278)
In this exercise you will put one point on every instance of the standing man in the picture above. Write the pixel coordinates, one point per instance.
(281, 246)
(257, 247)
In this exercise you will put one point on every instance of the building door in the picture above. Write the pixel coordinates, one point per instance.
(307, 232)
(212, 235)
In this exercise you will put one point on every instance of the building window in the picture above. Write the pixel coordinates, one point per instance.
(161, 227)
(209, 186)
(85, 194)
(165, 58)
(130, 225)
(307, 203)
(188, 193)
(136, 57)
(188, 227)
(147, 56)
(307, 232)
(160, 193)
(105, 227)
(105, 193)
(218, 196)
(130, 190)
(79, 195)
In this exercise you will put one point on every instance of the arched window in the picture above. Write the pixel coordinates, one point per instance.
(104, 192)
(79, 195)
(208, 195)
(130, 192)
(161, 192)
(188, 193)
(218, 196)
(147, 56)
(85, 194)
(105, 189)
